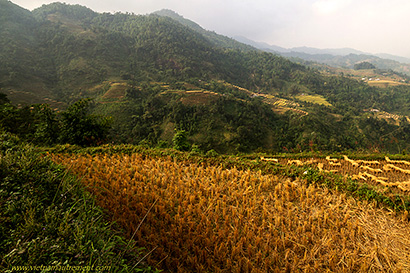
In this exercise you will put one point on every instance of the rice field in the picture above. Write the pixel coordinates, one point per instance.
(385, 83)
(314, 99)
(387, 173)
(198, 217)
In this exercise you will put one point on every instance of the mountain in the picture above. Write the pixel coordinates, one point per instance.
(261, 45)
(23, 62)
(330, 51)
(217, 39)
(304, 49)
(161, 73)
(394, 58)
(348, 61)
(73, 49)
(339, 57)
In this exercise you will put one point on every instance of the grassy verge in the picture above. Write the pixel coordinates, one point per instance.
(49, 223)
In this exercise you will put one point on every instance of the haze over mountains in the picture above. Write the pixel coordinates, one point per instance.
(339, 57)
(308, 50)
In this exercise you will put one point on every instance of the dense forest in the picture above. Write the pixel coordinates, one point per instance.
(71, 75)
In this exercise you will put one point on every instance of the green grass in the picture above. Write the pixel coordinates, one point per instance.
(48, 219)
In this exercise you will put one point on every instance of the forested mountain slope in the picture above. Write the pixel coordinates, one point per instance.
(24, 64)
(215, 38)
(153, 75)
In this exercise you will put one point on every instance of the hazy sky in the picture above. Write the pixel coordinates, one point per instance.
(375, 26)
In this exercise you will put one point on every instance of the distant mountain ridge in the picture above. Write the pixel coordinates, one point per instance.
(303, 49)
(331, 51)
(339, 57)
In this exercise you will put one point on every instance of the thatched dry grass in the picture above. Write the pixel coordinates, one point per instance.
(209, 219)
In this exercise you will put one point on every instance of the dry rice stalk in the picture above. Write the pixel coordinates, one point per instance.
(209, 219)
(359, 176)
(397, 161)
(404, 186)
(353, 162)
(331, 160)
(372, 177)
(368, 162)
(387, 235)
(371, 169)
(335, 164)
(391, 166)
(296, 161)
(269, 159)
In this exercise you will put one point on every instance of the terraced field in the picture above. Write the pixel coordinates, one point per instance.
(197, 216)
(392, 174)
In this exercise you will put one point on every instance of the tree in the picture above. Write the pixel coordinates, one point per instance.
(46, 124)
(180, 141)
(363, 65)
(81, 128)
(3, 99)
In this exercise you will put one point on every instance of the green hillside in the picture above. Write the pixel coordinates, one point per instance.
(161, 73)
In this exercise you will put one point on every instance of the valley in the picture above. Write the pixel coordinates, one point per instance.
(145, 143)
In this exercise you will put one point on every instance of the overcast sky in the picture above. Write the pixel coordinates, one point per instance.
(374, 26)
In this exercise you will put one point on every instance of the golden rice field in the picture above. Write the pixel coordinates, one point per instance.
(318, 99)
(193, 217)
(390, 174)
(385, 83)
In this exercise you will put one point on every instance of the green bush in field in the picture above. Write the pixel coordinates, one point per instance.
(180, 141)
